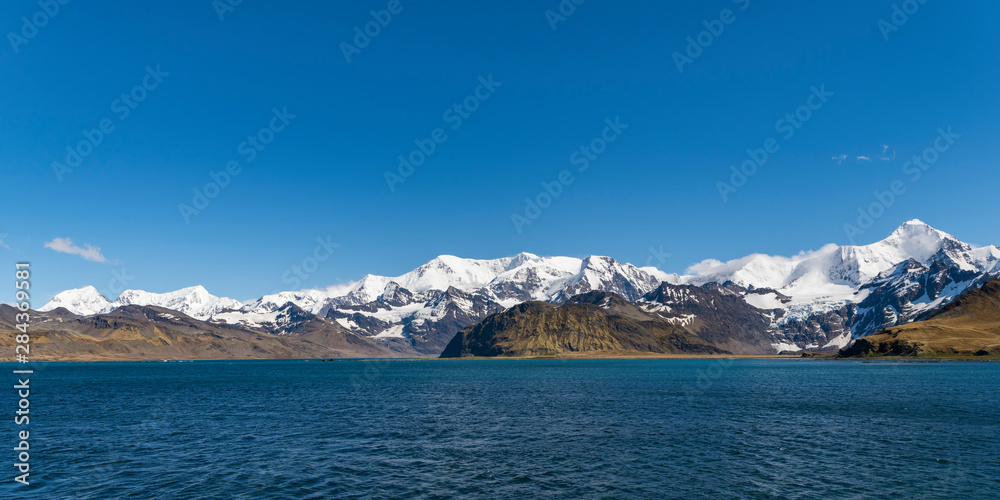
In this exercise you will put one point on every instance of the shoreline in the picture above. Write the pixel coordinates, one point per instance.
(578, 356)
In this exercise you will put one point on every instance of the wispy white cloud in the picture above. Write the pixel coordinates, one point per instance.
(3, 241)
(887, 154)
(65, 245)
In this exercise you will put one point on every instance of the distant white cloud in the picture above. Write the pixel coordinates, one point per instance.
(3, 241)
(65, 245)
(887, 154)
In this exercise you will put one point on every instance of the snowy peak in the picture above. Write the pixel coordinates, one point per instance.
(447, 270)
(913, 240)
(364, 291)
(310, 300)
(599, 273)
(83, 301)
(521, 258)
(921, 241)
(194, 301)
(916, 228)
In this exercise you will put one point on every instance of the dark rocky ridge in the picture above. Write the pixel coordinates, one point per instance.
(716, 313)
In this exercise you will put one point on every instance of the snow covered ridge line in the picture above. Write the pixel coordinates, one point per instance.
(193, 301)
(813, 298)
(533, 277)
(831, 271)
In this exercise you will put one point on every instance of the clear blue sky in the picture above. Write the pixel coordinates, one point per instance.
(323, 175)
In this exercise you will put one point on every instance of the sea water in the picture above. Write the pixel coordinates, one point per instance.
(755, 428)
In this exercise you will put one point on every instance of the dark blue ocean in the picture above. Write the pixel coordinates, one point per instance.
(509, 429)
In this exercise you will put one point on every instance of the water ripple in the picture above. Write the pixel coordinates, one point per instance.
(514, 429)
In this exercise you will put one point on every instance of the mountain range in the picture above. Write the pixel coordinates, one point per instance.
(817, 300)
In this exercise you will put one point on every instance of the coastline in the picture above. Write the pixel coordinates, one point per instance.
(571, 356)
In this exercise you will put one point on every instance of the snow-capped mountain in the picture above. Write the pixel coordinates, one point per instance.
(194, 301)
(83, 301)
(819, 299)
(828, 278)
(508, 280)
(608, 275)
(428, 319)
(434, 301)
(309, 300)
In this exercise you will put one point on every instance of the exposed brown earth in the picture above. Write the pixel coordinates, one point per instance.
(154, 333)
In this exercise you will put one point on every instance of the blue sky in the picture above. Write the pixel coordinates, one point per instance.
(323, 175)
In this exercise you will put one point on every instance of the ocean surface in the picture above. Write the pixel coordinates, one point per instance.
(754, 428)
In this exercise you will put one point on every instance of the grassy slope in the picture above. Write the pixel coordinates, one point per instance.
(969, 326)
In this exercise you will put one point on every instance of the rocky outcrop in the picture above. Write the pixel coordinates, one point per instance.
(591, 322)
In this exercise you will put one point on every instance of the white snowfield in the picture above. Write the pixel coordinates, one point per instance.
(816, 281)
(83, 301)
